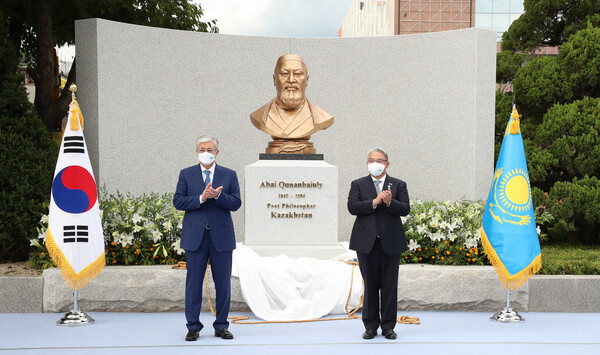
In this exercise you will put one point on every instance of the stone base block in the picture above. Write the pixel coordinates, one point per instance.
(564, 293)
(455, 288)
(130, 289)
(21, 294)
(420, 287)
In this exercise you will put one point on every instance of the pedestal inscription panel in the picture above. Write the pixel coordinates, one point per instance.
(291, 207)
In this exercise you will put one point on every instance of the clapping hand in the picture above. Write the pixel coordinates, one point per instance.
(210, 192)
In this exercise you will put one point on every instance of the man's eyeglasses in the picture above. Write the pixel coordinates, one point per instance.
(202, 150)
(378, 161)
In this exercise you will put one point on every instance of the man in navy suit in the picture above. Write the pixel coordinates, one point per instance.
(207, 233)
(378, 201)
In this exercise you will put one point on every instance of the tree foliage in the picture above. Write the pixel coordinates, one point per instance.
(35, 27)
(579, 58)
(507, 65)
(539, 85)
(571, 134)
(27, 165)
(549, 23)
(575, 203)
(559, 98)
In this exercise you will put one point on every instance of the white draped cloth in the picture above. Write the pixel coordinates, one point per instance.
(281, 288)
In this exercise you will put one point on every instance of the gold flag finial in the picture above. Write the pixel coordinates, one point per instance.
(77, 118)
(514, 124)
(73, 90)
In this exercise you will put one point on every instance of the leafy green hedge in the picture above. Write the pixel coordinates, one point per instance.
(26, 167)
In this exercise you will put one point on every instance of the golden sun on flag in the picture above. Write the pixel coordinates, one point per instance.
(512, 196)
(513, 190)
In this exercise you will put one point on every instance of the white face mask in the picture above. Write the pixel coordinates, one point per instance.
(206, 158)
(376, 169)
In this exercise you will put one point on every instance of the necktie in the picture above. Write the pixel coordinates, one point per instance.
(207, 179)
(377, 186)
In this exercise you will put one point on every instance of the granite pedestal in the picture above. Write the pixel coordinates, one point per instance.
(292, 208)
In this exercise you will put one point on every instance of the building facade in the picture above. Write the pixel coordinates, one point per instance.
(397, 17)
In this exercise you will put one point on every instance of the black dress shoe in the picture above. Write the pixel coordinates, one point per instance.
(369, 333)
(389, 333)
(192, 335)
(223, 333)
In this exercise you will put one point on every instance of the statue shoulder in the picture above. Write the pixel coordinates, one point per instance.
(320, 116)
(259, 115)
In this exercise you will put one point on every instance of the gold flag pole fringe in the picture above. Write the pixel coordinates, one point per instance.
(514, 281)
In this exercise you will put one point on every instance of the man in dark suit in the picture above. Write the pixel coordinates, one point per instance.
(378, 201)
(207, 233)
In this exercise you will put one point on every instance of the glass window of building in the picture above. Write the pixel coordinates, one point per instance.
(497, 15)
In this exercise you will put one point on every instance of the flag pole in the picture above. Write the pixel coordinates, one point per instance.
(75, 317)
(507, 314)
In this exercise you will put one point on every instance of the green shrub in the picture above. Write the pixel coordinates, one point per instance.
(576, 208)
(571, 134)
(28, 158)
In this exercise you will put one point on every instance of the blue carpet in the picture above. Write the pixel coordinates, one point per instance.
(438, 333)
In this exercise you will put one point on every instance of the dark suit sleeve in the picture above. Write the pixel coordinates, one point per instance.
(356, 206)
(181, 200)
(400, 204)
(230, 199)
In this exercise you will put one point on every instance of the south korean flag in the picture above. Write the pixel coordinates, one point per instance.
(74, 237)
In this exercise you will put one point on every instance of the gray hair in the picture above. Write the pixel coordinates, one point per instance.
(203, 139)
(377, 149)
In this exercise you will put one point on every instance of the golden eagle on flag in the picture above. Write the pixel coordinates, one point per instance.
(508, 231)
(74, 237)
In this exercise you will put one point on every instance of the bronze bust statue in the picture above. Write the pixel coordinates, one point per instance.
(290, 118)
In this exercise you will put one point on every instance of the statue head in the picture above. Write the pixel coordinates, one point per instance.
(290, 79)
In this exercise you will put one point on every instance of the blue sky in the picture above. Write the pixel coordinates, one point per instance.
(271, 18)
(277, 18)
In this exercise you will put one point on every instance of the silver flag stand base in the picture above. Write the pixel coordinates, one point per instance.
(75, 317)
(507, 314)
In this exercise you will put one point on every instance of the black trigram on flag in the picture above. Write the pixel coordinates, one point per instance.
(75, 234)
(74, 144)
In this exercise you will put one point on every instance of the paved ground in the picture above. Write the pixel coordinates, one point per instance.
(439, 333)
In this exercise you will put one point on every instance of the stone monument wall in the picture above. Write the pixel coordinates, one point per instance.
(428, 99)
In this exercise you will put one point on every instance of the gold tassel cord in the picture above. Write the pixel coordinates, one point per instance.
(75, 281)
(510, 282)
(76, 115)
(351, 314)
(514, 124)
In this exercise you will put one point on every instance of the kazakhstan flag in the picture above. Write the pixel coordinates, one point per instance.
(508, 232)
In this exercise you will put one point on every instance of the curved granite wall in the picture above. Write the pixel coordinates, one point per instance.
(428, 99)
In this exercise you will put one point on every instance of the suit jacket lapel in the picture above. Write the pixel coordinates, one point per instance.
(371, 186)
(199, 177)
(216, 177)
